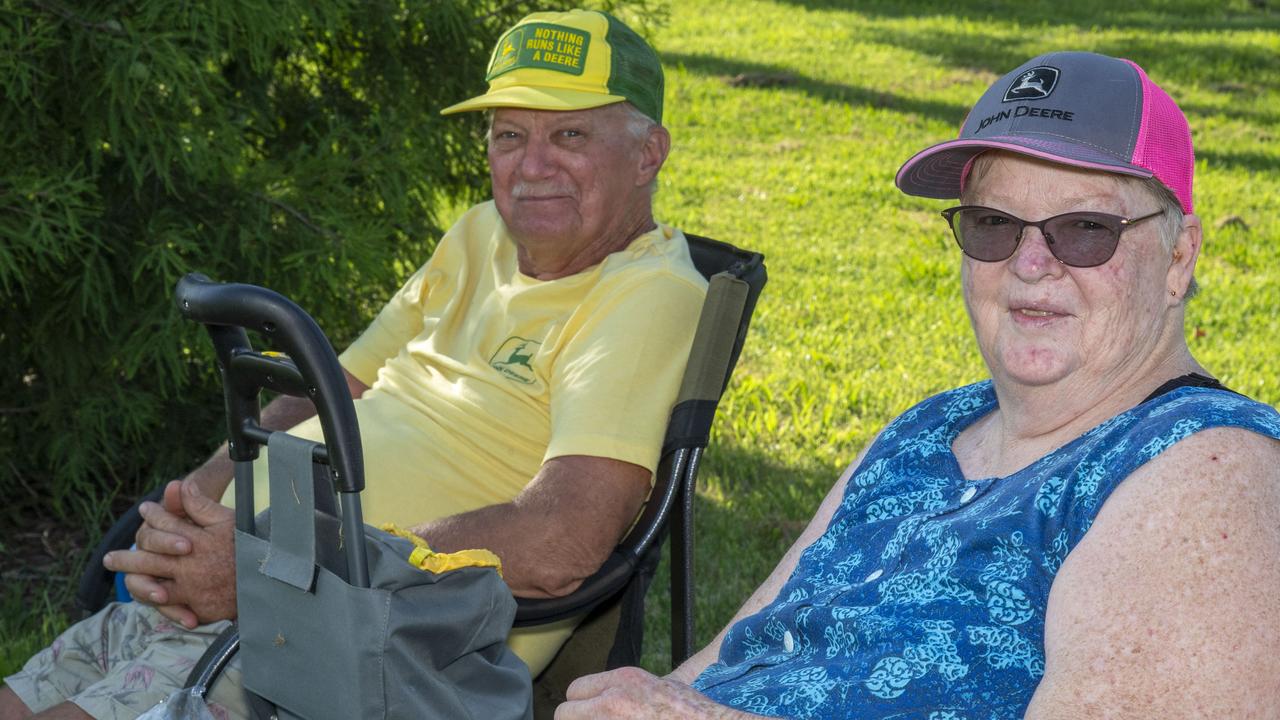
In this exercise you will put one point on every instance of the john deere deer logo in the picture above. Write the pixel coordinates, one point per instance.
(506, 54)
(1033, 84)
(514, 358)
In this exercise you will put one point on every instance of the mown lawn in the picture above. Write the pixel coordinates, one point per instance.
(790, 119)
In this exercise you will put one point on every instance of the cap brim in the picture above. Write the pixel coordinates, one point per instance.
(535, 98)
(937, 172)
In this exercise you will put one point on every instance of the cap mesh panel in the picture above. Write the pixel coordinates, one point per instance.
(1164, 142)
(636, 73)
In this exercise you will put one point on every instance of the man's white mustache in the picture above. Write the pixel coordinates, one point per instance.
(524, 190)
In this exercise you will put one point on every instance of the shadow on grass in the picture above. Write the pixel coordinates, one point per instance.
(1221, 67)
(1197, 60)
(1172, 15)
(821, 89)
(1254, 115)
(1253, 162)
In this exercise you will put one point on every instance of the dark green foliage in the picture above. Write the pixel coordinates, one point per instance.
(290, 143)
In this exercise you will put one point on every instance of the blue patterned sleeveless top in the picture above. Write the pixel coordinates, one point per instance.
(925, 597)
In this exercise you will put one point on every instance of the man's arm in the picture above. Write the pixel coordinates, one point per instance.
(558, 530)
(1167, 607)
(551, 537)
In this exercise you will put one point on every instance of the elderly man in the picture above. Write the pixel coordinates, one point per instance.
(512, 395)
(1090, 533)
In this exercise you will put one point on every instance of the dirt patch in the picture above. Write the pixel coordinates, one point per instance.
(44, 557)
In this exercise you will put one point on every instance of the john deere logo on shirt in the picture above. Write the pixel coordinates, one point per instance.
(514, 358)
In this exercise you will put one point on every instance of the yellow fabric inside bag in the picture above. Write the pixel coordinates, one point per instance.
(424, 558)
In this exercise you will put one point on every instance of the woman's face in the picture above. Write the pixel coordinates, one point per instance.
(1038, 321)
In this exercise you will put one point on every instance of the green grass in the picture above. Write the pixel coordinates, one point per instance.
(862, 316)
(26, 626)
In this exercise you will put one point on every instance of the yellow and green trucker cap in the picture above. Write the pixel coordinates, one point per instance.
(571, 60)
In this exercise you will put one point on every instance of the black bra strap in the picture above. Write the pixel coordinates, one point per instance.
(1190, 379)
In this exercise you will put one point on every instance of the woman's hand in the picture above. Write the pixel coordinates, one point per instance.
(630, 692)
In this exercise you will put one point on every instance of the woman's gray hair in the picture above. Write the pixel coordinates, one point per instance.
(1170, 224)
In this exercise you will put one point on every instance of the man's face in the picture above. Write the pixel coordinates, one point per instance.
(566, 180)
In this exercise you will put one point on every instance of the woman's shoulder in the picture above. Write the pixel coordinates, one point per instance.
(1187, 410)
(1194, 432)
(1207, 429)
(1163, 437)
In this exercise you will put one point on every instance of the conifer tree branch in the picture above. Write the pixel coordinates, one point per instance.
(501, 11)
(298, 214)
(110, 27)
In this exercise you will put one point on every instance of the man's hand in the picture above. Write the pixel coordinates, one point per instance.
(185, 561)
(149, 589)
(631, 693)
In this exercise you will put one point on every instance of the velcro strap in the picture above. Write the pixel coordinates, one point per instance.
(291, 559)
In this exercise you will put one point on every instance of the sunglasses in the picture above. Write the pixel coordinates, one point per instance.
(1078, 239)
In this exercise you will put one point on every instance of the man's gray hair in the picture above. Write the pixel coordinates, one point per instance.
(638, 124)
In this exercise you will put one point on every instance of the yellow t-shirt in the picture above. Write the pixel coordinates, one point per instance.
(479, 374)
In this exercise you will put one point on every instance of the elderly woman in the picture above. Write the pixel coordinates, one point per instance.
(1095, 531)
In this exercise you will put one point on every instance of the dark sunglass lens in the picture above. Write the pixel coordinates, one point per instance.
(986, 234)
(1084, 239)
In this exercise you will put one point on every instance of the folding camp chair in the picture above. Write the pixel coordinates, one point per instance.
(612, 598)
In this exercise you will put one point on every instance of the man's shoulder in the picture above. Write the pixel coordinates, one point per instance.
(476, 237)
(478, 221)
(659, 257)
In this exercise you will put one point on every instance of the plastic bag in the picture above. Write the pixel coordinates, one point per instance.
(184, 704)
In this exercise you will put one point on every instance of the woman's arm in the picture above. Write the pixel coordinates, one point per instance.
(1167, 608)
(633, 693)
(772, 585)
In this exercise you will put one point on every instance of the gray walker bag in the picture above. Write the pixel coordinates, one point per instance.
(331, 628)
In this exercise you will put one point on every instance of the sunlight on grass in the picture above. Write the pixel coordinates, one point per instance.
(29, 625)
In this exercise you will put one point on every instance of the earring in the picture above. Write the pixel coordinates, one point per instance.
(1173, 293)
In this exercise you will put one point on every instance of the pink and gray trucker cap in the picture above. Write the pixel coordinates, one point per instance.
(1076, 108)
